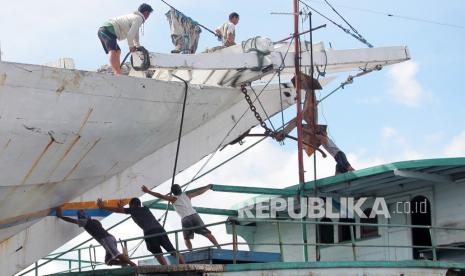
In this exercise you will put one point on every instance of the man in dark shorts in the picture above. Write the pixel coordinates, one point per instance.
(95, 229)
(189, 217)
(120, 28)
(149, 224)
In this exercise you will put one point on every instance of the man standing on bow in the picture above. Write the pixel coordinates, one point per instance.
(121, 28)
(227, 31)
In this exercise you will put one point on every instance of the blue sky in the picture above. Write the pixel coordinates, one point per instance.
(408, 111)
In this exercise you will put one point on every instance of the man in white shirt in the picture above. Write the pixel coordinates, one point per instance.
(121, 28)
(189, 217)
(227, 31)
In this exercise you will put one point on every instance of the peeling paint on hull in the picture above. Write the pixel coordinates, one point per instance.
(94, 153)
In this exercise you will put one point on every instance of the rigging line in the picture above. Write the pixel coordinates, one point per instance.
(281, 67)
(134, 249)
(423, 20)
(219, 146)
(347, 31)
(217, 167)
(281, 100)
(350, 80)
(186, 88)
(200, 25)
(164, 216)
(322, 73)
(173, 178)
(226, 161)
(348, 24)
(310, 35)
(263, 108)
(328, 129)
(232, 128)
(236, 155)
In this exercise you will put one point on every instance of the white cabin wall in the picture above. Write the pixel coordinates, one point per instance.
(397, 235)
(290, 233)
(449, 212)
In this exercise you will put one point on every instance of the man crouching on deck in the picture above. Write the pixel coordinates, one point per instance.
(95, 229)
(189, 217)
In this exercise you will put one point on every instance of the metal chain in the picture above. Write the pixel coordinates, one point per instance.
(268, 131)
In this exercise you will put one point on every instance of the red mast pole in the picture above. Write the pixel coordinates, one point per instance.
(299, 120)
(298, 94)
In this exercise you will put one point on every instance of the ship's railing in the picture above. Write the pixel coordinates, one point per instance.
(86, 264)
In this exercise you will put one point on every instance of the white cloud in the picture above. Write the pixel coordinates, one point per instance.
(404, 86)
(361, 161)
(391, 137)
(456, 147)
(388, 132)
(410, 154)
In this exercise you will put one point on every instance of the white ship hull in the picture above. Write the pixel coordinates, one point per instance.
(69, 135)
(63, 132)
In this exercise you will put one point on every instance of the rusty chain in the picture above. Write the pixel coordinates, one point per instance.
(276, 135)
(268, 132)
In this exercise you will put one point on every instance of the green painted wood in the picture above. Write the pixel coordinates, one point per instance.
(345, 264)
(69, 260)
(152, 204)
(297, 265)
(254, 190)
(125, 271)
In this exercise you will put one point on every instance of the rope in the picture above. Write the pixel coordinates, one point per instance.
(200, 25)
(124, 59)
(179, 139)
(347, 31)
(348, 24)
(250, 45)
(145, 62)
(350, 80)
(134, 249)
(263, 108)
(422, 20)
(281, 101)
(186, 185)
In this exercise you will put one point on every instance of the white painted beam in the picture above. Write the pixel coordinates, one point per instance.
(334, 60)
